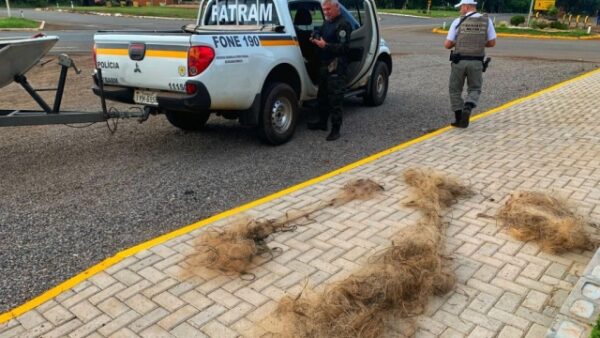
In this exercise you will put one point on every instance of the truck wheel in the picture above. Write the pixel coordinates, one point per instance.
(279, 113)
(378, 85)
(187, 120)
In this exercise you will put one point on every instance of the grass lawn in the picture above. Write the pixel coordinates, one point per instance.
(169, 12)
(18, 23)
(419, 12)
(531, 31)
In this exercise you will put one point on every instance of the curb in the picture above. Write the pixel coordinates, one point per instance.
(526, 36)
(121, 255)
(579, 311)
(41, 27)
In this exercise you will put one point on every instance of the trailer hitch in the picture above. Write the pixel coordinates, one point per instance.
(65, 61)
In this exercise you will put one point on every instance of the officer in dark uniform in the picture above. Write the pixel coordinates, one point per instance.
(333, 40)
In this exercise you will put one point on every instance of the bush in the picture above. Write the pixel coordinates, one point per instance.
(539, 24)
(553, 12)
(503, 24)
(558, 25)
(517, 20)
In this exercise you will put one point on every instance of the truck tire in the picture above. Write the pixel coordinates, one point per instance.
(278, 114)
(186, 120)
(378, 85)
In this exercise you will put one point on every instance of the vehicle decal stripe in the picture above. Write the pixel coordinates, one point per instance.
(167, 47)
(270, 43)
(149, 46)
(149, 53)
(275, 40)
(275, 37)
(111, 51)
(166, 54)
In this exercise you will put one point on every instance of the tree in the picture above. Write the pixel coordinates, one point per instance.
(579, 6)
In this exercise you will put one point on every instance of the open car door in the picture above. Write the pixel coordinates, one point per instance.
(364, 40)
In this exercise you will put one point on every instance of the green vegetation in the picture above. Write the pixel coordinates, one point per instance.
(517, 20)
(531, 31)
(158, 11)
(18, 23)
(584, 7)
(434, 13)
(539, 24)
(558, 25)
(596, 330)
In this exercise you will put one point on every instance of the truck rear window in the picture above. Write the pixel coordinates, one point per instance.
(241, 12)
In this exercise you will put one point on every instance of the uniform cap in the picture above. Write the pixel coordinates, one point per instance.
(466, 2)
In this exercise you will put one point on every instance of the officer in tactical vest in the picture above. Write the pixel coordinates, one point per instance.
(468, 35)
(333, 40)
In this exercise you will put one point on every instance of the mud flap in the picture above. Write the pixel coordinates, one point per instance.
(250, 117)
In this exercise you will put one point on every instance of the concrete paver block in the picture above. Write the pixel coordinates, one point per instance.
(565, 327)
(505, 288)
(583, 302)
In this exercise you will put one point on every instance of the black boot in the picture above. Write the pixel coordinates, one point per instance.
(466, 114)
(457, 116)
(319, 125)
(335, 133)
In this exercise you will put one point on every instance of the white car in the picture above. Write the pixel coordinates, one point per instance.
(247, 60)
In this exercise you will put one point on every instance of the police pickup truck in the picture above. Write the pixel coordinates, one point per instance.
(249, 60)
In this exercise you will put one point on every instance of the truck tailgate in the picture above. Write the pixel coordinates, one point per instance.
(150, 60)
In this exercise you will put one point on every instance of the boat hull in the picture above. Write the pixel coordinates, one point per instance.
(17, 56)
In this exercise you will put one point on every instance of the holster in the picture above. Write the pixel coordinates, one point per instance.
(486, 63)
(454, 57)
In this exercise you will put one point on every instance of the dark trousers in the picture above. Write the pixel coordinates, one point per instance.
(331, 96)
(472, 71)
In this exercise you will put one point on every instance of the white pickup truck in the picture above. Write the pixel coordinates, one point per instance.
(243, 59)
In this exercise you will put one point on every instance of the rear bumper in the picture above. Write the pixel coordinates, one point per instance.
(172, 101)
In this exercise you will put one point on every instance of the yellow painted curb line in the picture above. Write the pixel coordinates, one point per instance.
(105, 264)
(526, 36)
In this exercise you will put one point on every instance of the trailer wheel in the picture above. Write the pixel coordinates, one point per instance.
(187, 120)
(279, 113)
(378, 86)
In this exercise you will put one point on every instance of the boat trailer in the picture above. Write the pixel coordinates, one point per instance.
(18, 56)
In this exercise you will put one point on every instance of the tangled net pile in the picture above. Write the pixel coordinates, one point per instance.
(397, 282)
(233, 249)
(545, 219)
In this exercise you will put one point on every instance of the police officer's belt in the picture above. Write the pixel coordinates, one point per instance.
(477, 58)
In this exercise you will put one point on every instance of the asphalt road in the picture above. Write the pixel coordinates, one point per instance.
(407, 35)
(71, 197)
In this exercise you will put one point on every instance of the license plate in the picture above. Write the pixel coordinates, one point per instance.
(145, 97)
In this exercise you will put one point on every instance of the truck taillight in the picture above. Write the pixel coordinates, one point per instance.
(94, 56)
(199, 57)
(190, 88)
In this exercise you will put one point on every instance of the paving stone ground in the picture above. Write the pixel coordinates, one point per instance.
(505, 288)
